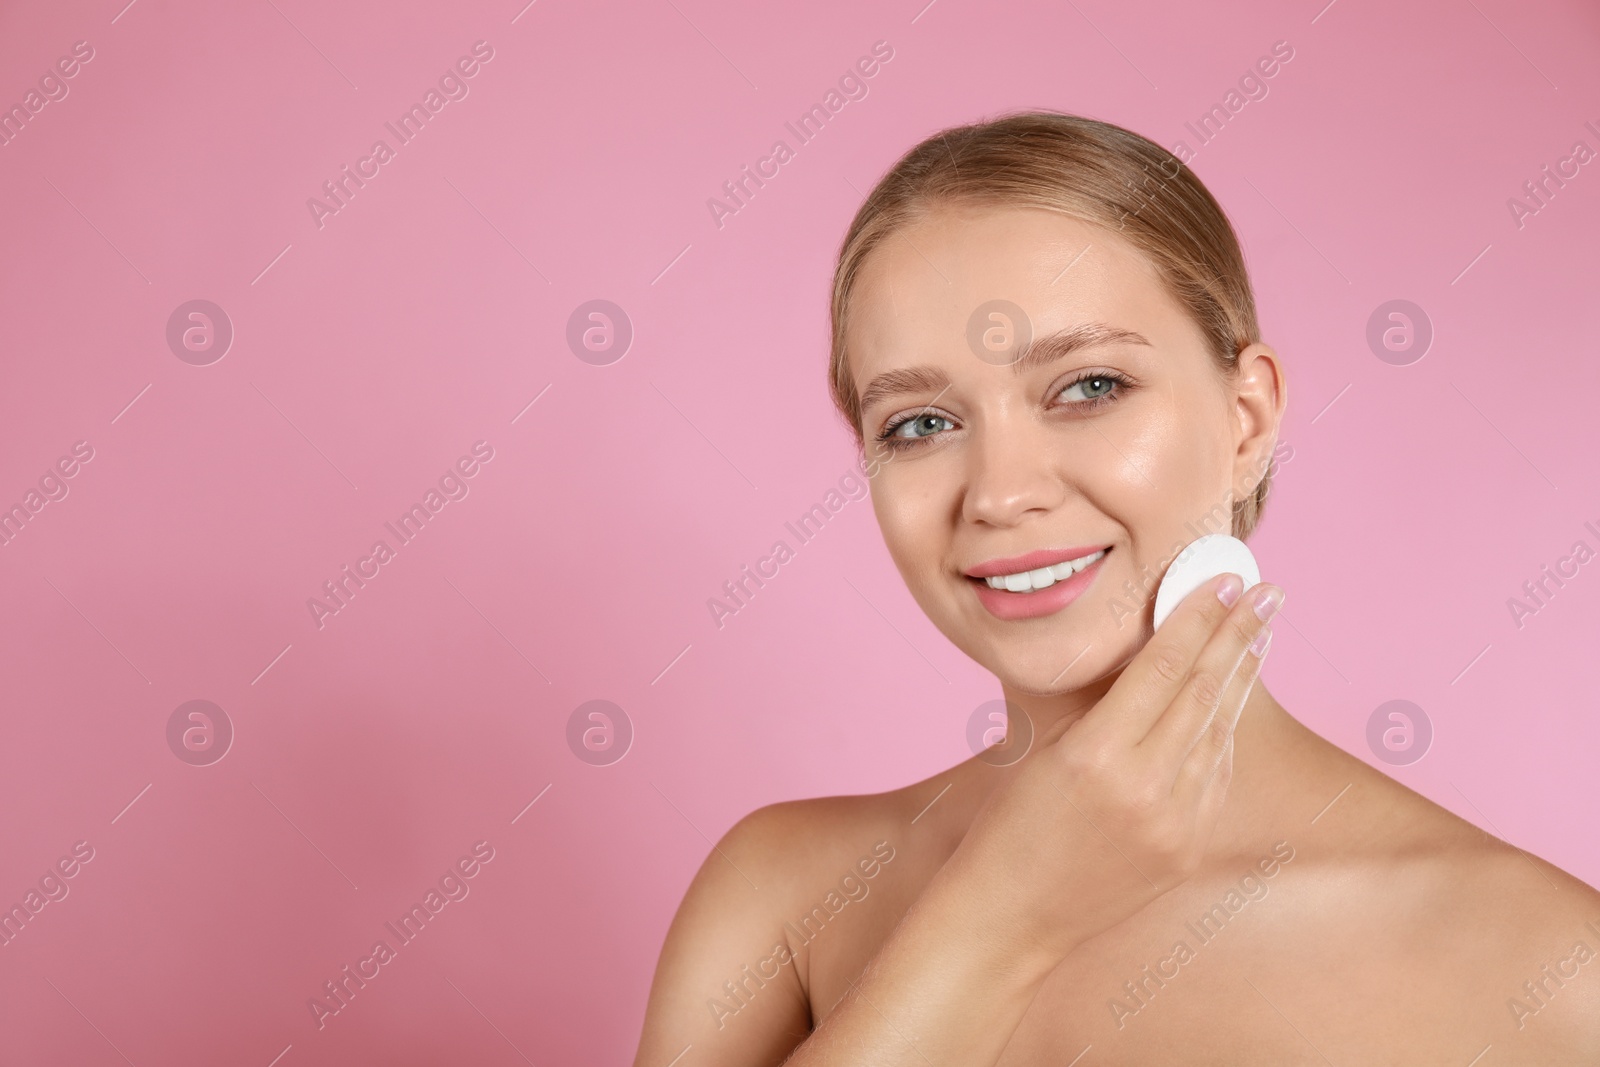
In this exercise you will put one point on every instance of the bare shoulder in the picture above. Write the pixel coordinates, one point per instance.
(731, 980)
(1518, 938)
(1390, 828)
(1509, 938)
(790, 838)
(1539, 931)
(803, 844)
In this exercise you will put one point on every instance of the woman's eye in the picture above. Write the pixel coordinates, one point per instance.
(920, 426)
(1093, 388)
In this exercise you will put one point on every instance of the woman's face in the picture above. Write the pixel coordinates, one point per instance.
(1113, 432)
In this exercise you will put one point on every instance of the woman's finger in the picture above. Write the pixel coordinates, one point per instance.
(1201, 694)
(1213, 746)
(1153, 679)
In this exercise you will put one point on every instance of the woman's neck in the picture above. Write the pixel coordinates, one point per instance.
(1271, 755)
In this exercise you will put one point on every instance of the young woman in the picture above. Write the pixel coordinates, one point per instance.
(1045, 341)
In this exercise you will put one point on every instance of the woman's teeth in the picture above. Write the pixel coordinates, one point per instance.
(1044, 577)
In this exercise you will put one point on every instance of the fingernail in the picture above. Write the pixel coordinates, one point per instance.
(1229, 588)
(1263, 639)
(1268, 601)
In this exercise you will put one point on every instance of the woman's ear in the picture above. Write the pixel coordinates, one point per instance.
(1261, 392)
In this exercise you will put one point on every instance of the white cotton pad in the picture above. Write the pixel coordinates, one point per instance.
(1198, 563)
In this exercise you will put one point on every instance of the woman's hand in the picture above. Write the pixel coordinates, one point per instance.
(1103, 817)
(1119, 807)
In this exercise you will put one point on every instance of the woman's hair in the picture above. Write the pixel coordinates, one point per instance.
(1094, 172)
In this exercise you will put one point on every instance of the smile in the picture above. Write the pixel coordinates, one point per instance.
(1043, 577)
(1037, 591)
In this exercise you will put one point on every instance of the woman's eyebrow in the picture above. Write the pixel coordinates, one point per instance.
(909, 380)
(1039, 351)
(1062, 343)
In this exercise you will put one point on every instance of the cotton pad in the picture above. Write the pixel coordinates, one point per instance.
(1199, 562)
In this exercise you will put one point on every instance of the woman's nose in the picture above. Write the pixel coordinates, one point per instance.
(1011, 471)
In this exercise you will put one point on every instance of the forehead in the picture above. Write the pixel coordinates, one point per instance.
(919, 288)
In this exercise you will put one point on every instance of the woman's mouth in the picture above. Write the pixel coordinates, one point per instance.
(1040, 591)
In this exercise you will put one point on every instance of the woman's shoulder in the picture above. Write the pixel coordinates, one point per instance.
(802, 847)
(1389, 826)
(1509, 930)
(1480, 918)
(780, 872)
(799, 835)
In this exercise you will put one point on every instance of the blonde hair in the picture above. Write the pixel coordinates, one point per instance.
(1092, 171)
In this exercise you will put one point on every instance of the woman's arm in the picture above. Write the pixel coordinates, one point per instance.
(726, 930)
(960, 974)
(947, 987)
(1102, 819)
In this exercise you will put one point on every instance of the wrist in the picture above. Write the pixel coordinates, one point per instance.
(999, 941)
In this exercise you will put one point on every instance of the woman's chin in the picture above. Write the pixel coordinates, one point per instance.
(1048, 672)
(1039, 658)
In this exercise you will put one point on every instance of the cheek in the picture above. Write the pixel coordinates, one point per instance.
(902, 514)
(912, 511)
(1172, 477)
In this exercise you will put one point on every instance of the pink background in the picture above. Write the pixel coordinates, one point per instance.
(370, 353)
